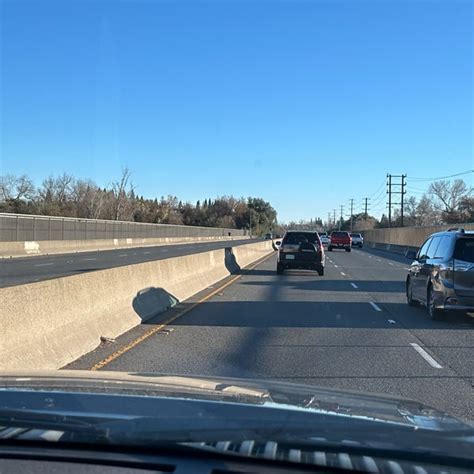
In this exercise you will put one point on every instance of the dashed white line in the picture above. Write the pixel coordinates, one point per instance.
(378, 260)
(426, 356)
(89, 259)
(374, 306)
(165, 250)
(123, 255)
(390, 263)
(343, 274)
(43, 264)
(146, 253)
(354, 285)
(335, 266)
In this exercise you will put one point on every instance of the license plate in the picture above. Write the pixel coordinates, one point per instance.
(289, 257)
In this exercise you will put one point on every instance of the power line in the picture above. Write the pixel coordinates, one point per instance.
(443, 177)
(381, 187)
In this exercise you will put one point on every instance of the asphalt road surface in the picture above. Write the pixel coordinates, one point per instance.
(18, 271)
(350, 329)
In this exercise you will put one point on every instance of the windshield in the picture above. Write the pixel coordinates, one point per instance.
(226, 195)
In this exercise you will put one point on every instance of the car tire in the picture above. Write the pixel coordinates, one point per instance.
(329, 249)
(409, 294)
(280, 269)
(348, 250)
(434, 313)
(320, 271)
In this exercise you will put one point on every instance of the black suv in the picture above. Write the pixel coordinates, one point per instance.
(301, 249)
(442, 274)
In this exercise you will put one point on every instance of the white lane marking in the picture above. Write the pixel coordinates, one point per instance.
(405, 268)
(426, 356)
(391, 321)
(123, 255)
(390, 263)
(354, 285)
(378, 260)
(87, 259)
(374, 306)
(165, 250)
(146, 253)
(43, 264)
(370, 256)
(335, 266)
(343, 274)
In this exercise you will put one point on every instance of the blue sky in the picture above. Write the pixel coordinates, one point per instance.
(304, 103)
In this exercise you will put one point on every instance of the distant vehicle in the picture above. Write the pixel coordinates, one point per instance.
(340, 240)
(324, 237)
(441, 276)
(357, 240)
(301, 249)
(268, 236)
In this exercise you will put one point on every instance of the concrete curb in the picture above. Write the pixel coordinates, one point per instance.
(49, 324)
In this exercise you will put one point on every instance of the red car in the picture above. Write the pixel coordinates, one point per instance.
(340, 240)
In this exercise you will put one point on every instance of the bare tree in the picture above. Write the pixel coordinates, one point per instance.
(16, 188)
(448, 195)
(123, 192)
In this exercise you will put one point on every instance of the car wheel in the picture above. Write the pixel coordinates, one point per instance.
(330, 249)
(348, 250)
(433, 312)
(409, 292)
(280, 269)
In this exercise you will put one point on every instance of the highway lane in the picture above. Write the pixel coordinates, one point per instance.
(18, 271)
(350, 329)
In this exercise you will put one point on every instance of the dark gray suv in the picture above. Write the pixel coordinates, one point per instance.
(441, 276)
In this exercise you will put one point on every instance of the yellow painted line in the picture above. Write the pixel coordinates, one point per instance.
(158, 328)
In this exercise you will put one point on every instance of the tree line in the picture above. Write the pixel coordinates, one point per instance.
(67, 196)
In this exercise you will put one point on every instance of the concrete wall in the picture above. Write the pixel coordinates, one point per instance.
(400, 239)
(21, 227)
(48, 324)
(49, 247)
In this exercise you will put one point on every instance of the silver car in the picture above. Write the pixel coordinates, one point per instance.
(357, 240)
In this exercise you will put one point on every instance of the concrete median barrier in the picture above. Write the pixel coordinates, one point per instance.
(48, 324)
(52, 247)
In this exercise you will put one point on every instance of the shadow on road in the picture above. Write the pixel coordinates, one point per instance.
(320, 284)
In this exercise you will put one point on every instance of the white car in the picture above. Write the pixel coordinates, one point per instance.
(357, 240)
(324, 237)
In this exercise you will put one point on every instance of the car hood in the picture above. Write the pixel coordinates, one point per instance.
(341, 404)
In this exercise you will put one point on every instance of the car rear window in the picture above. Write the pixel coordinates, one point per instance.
(297, 238)
(340, 234)
(464, 250)
(355, 235)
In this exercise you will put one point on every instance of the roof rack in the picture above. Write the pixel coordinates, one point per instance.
(456, 229)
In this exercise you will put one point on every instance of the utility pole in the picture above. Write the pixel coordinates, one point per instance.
(404, 183)
(329, 220)
(389, 191)
(352, 211)
(366, 207)
(334, 218)
(342, 213)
